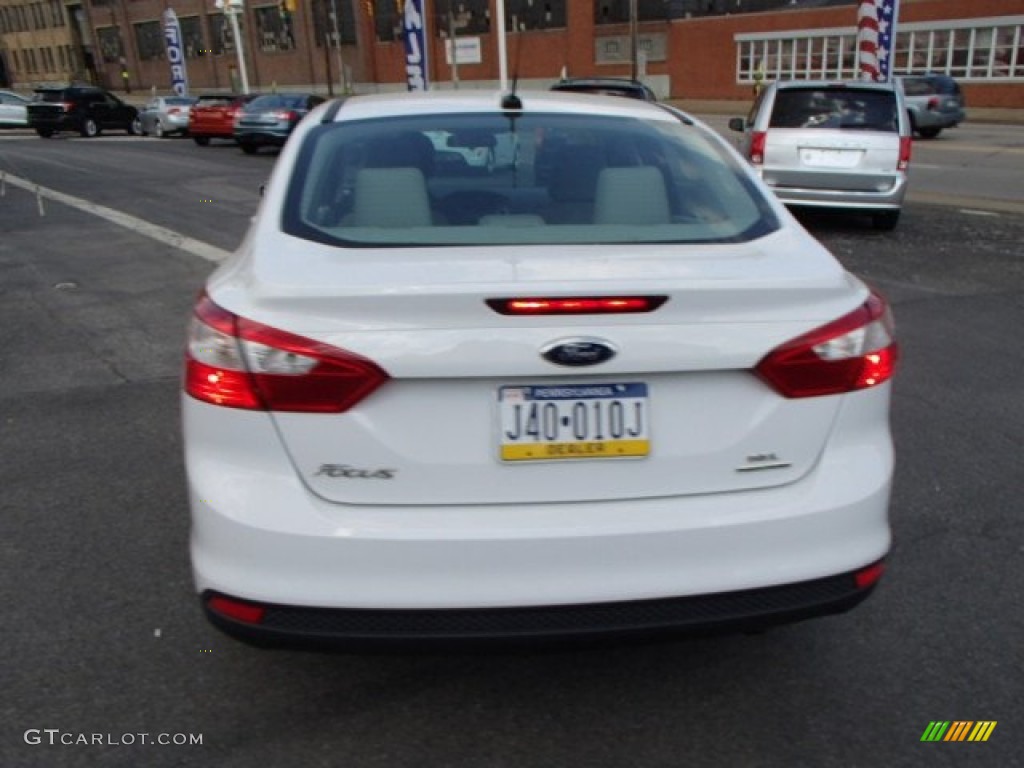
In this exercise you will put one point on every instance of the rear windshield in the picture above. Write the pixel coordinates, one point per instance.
(277, 101)
(48, 96)
(848, 108)
(538, 178)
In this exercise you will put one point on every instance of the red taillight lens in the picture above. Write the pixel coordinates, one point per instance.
(173, 111)
(239, 363)
(250, 613)
(757, 144)
(906, 143)
(856, 351)
(286, 115)
(933, 103)
(869, 576)
(67, 106)
(577, 305)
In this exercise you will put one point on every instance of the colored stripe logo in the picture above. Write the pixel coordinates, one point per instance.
(958, 730)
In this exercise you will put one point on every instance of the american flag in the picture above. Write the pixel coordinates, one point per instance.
(876, 27)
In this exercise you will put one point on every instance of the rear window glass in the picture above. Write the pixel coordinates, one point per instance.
(48, 96)
(538, 178)
(277, 101)
(854, 109)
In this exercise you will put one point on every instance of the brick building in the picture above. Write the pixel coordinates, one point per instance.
(695, 49)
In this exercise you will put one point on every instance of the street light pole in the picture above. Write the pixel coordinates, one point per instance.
(232, 8)
(342, 74)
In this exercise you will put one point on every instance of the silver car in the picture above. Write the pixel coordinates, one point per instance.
(934, 102)
(166, 115)
(12, 110)
(831, 144)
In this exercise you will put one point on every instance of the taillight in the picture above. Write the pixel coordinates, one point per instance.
(933, 103)
(286, 115)
(67, 106)
(173, 111)
(869, 576)
(239, 363)
(905, 148)
(757, 143)
(576, 305)
(857, 351)
(239, 610)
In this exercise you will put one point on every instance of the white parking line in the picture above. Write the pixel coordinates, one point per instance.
(133, 223)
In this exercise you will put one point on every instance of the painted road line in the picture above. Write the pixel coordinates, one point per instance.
(133, 223)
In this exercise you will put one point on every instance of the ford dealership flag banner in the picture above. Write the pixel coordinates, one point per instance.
(175, 53)
(876, 31)
(414, 24)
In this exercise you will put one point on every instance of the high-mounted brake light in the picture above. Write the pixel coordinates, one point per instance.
(577, 305)
(856, 351)
(238, 363)
(758, 139)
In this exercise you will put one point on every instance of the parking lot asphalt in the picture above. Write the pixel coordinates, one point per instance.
(104, 635)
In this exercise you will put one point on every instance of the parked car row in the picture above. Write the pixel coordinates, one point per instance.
(252, 120)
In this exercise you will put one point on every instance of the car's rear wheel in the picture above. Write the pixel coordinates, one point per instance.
(90, 128)
(202, 141)
(885, 221)
(158, 130)
(928, 133)
(135, 127)
(248, 147)
(44, 132)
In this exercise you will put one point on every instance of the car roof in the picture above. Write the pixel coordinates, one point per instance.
(370, 106)
(833, 85)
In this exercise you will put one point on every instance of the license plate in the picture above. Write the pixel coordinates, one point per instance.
(830, 158)
(573, 421)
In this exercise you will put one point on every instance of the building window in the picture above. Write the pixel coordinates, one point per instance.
(192, 37)
(469, 17)
(974, 49)
(109, 39)
(387, 21)
(323, 21)
(274, 29)
(526, 15)
(617, 11)
(221, 40)
(149, 37)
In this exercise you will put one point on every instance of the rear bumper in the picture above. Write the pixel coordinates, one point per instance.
(271, 136)
(891, 197)
(363, 629)
(709, 560)
(931, 119)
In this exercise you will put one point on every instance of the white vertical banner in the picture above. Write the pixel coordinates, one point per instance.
(175, 53)
(414, 26)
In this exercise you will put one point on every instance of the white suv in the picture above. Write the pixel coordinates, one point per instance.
(611, 389)
(829, 144)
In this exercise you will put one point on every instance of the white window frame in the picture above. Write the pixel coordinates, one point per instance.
(752, 50)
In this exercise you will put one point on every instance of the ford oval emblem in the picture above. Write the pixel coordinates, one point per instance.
(577, 352)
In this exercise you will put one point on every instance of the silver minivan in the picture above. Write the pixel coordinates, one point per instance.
(831, 144)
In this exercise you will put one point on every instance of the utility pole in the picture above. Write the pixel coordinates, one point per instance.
(455, 48)
(634, 41)
(231, 9)
(342, 74)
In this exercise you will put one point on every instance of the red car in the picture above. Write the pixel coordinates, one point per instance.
(213, 116)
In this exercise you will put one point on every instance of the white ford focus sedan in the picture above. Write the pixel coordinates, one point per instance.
(602, 385)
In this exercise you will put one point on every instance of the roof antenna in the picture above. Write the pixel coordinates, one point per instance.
(510, 101)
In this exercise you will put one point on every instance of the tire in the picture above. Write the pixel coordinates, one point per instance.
(90, 128)
(202, 141)
(158, 130)
(44, 133)
(248, 147)
(135, 127)
(928, 133)
(885, 221)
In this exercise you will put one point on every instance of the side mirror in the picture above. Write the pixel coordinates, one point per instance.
(737, 124)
